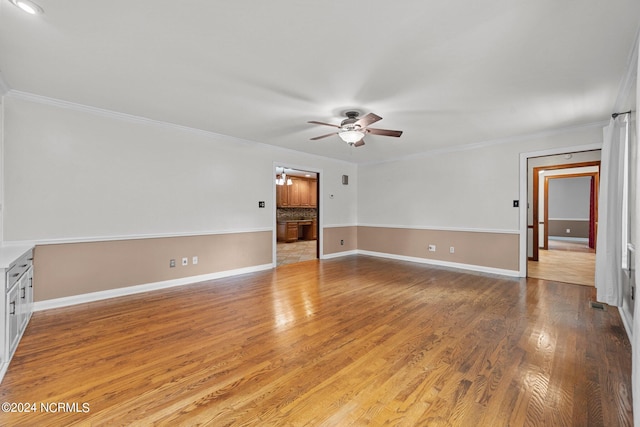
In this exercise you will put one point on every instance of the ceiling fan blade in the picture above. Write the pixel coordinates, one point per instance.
(368, 120)
(322, 123)
(384, 132)
(359, 143)
(323, 136)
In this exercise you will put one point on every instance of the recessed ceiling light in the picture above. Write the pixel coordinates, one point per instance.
(28, 6)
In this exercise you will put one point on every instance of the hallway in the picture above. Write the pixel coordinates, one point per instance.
(565, 261)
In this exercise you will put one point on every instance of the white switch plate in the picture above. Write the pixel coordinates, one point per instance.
(452, 250)
(185, 261)
(432, 248)
(194, 260)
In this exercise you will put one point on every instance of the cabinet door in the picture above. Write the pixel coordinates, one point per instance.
(304, 192)
(282, 196)
(294, 193)
(13, 318)
(313, 193)
(23, 303)
(29, 307)
(292, 231)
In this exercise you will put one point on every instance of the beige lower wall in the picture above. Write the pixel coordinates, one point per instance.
(332, 236)
(484, 249)
(578, 228)
(64, 270)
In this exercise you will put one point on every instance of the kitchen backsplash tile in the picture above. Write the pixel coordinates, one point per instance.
(296, 213)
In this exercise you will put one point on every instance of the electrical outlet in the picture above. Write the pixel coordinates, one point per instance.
(568, 231)
(185, 261)
(341, 242)
(172, 263)
(432, 248)
(452, 250)
(194, 260)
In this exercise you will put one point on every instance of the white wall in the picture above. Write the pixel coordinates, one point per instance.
(77, 173)
(472, 188)
(569, 198)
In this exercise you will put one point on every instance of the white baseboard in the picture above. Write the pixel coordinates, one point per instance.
(339, 254)
(477, 268)
(130, 290)
(626, 321)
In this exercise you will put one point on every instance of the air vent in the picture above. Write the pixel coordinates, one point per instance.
(597, 305)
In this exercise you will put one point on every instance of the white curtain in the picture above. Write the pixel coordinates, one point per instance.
(609, 242)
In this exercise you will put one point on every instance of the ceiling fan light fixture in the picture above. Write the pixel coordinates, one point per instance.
(351, 136)
(27, 6)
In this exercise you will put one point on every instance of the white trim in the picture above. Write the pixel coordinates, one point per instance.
(570, 239)
(4, 367)
(476, 268)
(340, 254)
(128, 237)
(340, 225)
(523, 192)
(435, 228)
(130, 290)
(626, 322)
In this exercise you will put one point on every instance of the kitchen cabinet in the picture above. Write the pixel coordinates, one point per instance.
(16, 306)
(313, 193)
(299, 229)
(294, 193)
(282, 196)
(302, 193)
(287, 231)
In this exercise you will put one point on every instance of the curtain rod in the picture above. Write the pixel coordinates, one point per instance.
(614, 115)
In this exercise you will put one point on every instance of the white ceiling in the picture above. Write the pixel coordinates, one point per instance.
(446, 73)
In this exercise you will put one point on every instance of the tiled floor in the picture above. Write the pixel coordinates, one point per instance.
(302, 250)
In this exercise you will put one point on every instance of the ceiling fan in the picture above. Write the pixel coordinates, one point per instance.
(353, 129)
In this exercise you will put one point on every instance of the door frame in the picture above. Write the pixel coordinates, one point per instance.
(593, 201)
(536, 197)
(523, 193)
(319, 186)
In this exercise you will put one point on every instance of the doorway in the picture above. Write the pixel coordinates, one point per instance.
(297, 215)
(564, 207)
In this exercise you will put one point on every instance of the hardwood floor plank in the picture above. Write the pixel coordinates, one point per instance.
(351, 341)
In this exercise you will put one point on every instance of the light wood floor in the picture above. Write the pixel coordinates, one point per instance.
(350, 341)
(565, 262)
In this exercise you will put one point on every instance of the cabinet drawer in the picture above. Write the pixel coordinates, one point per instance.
(18, 268)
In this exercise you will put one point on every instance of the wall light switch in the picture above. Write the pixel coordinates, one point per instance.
(185, 261)
(261, 204)
(516, 203)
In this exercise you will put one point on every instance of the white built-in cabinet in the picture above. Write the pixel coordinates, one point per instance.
(17, 299)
